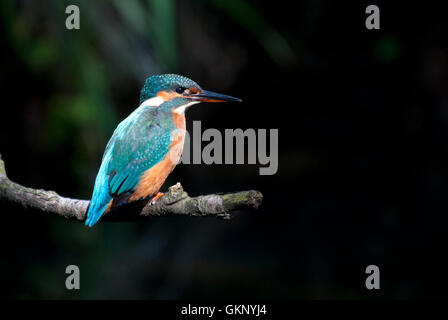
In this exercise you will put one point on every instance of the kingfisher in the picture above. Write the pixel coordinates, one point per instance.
(147, 145)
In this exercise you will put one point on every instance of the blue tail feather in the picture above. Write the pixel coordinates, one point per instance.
(101, 196)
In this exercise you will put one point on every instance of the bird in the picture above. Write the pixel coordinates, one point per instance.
(147, 145)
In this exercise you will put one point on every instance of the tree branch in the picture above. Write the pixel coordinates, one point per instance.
(174, 202)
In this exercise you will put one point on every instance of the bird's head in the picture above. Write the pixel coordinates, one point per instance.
(162, 88)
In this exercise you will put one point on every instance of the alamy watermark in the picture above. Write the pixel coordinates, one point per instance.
(72, 281)
(373, 20)
(73, 19)
(232, 147)
(373, 280)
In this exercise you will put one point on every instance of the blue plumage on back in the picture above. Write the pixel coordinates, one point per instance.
(139, 142)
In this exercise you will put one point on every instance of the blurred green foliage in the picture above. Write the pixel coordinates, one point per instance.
(387, 49)
(119, 41)
(83, 78)
(252, 20)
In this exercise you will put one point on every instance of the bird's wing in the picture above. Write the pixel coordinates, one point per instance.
(139, 145)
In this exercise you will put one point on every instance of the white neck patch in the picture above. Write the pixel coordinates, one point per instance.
(157, 101)
(153, 102)
(181, 109)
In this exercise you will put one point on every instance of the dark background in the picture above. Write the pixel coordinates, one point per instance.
(363, 131)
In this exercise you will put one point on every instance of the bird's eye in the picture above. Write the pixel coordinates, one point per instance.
(180, 89)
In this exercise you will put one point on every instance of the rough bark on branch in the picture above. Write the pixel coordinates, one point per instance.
(174, 202)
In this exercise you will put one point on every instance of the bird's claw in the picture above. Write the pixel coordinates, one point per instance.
(154, 199)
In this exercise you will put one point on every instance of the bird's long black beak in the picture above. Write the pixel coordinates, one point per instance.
(208, 96)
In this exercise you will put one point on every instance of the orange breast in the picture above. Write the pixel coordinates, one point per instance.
(152, 179)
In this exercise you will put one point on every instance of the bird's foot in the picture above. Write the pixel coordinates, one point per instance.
(154, 199)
